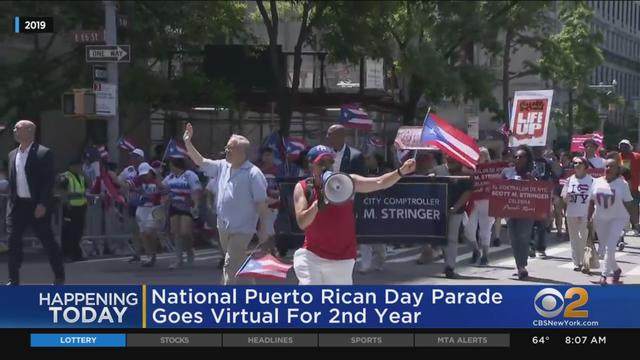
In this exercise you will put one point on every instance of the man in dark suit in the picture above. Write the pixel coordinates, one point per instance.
(348, 159)
(31, 182)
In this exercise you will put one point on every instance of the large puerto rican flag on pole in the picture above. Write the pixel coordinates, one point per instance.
(451, 141)
(354, 118)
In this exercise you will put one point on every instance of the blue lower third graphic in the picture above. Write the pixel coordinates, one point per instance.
(78, 340)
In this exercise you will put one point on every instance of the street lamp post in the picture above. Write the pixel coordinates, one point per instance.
(610, 89)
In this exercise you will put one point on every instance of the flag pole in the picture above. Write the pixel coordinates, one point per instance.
(166, 149)
(415, 154)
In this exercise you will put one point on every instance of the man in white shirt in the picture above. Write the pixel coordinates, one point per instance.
(31, 181)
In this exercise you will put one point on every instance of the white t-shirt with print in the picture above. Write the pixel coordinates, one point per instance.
(609, 198)
(579, 191)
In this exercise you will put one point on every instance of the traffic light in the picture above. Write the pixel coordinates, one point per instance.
(79, 102)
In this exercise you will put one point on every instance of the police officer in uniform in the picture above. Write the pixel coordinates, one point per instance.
(74, 211)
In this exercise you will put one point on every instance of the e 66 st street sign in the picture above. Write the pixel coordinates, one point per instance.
(108, 53)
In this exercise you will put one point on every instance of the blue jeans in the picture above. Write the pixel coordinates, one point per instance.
(520, 234)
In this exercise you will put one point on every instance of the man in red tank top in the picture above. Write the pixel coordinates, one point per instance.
(329, 251)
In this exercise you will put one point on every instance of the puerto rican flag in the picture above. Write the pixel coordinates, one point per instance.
(375, 141)
(295, 146)
(176, 149)
(264, 267)
(354, 118)
(126, 145)
(451, 141)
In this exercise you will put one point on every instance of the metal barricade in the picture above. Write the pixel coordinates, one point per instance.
(29, 238)
(107, 230)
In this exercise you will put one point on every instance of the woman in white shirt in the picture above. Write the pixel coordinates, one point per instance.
(576, 193)
(609, 209)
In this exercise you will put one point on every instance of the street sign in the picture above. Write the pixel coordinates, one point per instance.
(88, 36)
(100, 72)
(106, 96)
(108, 53)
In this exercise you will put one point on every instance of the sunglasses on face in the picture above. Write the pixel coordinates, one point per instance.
(518, 157)
(577, 163)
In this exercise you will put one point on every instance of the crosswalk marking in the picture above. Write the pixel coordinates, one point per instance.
(158, 257)
(569, 265)
(550, 252)
(634, 272)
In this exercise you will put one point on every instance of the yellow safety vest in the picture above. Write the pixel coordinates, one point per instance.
(76, 189)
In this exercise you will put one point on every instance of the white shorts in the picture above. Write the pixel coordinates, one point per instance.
(312, 269)
(146, 221)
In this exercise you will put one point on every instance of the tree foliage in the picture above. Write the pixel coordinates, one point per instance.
(308, 14)
(159, 30)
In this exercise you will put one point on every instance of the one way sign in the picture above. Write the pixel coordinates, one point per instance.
(108, 53)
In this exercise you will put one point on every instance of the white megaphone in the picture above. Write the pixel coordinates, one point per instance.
(337, 187)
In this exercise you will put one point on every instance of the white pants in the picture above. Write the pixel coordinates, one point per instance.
(311, 269)
(608, 231)
(479, 218)
(451, 252)
(372, 256)
(578, 233)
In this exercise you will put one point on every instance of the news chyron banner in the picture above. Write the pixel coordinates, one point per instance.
(530, 117)
(316, 307)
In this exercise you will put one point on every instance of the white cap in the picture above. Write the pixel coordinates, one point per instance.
(625, 141)
(144, 169)
(138, 152)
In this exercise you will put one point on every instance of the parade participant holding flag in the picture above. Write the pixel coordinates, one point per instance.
(329, 251)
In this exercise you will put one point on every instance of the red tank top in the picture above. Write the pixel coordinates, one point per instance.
(332, 234)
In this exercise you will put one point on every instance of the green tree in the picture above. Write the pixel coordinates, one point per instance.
(160, 31)
(35, 79)
(308, 14)
(428, 43)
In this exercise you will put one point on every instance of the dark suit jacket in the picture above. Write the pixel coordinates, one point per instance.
(40, 175)
(353, 162)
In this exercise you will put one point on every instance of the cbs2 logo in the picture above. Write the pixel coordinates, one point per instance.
(549, 303)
